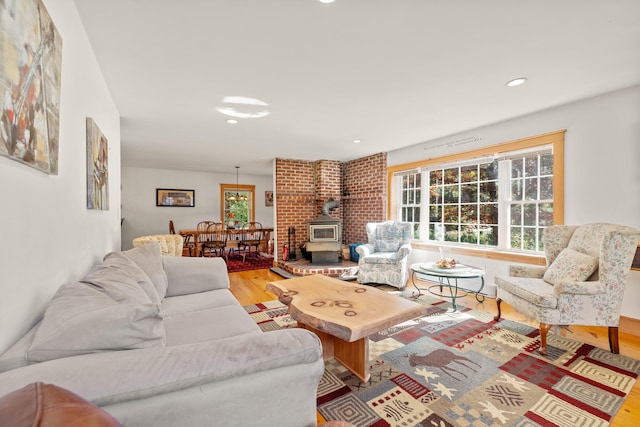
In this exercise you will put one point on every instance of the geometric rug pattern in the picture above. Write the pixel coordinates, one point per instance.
(462, 368)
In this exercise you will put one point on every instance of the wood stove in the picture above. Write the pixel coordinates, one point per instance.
(325, 236)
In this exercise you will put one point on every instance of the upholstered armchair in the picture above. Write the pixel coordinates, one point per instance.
(384, 258)
(582, 284)
(170, 244)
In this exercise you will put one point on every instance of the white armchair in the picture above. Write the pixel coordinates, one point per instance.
(384, 258)
(582, 284)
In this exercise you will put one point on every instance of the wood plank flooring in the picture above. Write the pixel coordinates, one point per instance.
(249, 288)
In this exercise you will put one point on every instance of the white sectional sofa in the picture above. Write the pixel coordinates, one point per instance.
(161, 341)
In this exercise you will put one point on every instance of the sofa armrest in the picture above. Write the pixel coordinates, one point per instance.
(190, 275)
(534, 272)
(118, 376)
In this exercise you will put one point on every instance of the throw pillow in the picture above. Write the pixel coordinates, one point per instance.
(80, 319)
(570, 266)
(149, 258)
(122, 280)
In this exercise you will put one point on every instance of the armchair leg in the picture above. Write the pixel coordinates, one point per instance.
(497, 316)
(544, 329)
(613, 340)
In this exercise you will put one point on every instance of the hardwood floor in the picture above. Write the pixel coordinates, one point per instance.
(249, 288)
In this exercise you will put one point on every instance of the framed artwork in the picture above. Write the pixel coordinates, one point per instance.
(268, 198)
(635, 264)
(30, 74)
(97, 168)
(178, 198)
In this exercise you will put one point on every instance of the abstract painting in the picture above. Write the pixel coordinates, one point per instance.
(30, 74)
(97, 168)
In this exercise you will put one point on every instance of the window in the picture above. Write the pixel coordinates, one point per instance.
(242, 209)
(499, 197)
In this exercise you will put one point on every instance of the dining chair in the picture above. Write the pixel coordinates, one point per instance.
(252, 238)
(187, 245)
(215, 239)
(202, 232)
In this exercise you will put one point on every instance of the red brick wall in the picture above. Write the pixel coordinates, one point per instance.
(364, 197)
(302, 187)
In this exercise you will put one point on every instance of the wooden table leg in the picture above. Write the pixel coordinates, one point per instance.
(352, 355)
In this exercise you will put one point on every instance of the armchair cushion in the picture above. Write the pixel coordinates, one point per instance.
(535, 291)
(570, 266)
(382, 258)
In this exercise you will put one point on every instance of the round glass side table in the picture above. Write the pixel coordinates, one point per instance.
(448, 278)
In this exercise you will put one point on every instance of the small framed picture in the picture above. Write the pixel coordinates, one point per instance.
(635, 264)
(268, 198)
(177, 198)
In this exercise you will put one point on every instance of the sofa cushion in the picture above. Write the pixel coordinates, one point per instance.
(16, 355)
(570, 266)
(47, 405)
(149, 258)
(122, 280)
(191, 275)
(195, 302)
(80, 319)
(208, 324)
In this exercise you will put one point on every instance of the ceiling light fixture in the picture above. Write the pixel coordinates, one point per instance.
(326, 1)
(232, 121)
(243, 107)
(237, 196)
(356, 141)
(516, 82)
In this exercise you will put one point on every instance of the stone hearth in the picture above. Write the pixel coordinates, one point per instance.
(346, 270)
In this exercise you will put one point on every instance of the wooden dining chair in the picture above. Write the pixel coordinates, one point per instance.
(202, 235)
(187, 244)
(252, 238)
(215, 240)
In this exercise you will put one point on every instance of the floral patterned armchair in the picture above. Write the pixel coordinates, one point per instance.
(170, 244)
(582, 284)
(384, 259)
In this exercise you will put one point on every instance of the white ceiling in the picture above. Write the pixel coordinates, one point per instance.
(391, 73)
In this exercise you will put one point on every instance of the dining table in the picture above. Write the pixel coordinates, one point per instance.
(233, 235)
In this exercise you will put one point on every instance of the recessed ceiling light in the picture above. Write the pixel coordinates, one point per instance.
(516, 82)
(326, 1)
(356, 141)
(232, 121)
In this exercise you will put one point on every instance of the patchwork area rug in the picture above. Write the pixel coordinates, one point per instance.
(253, 261)
(465, 369)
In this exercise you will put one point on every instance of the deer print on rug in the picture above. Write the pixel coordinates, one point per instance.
(443, 359)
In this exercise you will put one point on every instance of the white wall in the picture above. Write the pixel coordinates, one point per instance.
(602, 165)
(48, 235)
(142, 217)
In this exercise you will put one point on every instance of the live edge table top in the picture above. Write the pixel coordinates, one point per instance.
(345, 310)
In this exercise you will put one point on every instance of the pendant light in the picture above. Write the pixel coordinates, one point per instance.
(237, 196)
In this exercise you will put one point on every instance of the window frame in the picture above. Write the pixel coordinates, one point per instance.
(555, 139)
(251, 189)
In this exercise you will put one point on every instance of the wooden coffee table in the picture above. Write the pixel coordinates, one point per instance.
(343, 315)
